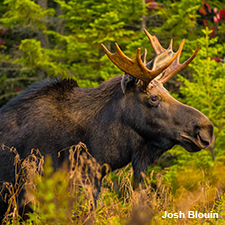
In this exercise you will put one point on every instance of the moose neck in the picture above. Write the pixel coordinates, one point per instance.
(102, 107)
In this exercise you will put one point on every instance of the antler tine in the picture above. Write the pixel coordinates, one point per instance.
(136, 67)
(176, 66)
(155, 43)
(171, 44)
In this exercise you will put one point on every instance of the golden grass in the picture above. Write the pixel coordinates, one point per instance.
(65, 196)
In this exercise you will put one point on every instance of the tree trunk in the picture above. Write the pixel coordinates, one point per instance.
(143, 19)
(41, 35)
(60, 26)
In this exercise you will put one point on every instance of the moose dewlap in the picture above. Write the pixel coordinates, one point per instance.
(130, 118)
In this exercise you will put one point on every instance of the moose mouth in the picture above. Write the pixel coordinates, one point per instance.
(192, 144)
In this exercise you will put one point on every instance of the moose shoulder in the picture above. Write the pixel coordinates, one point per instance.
(131, 118)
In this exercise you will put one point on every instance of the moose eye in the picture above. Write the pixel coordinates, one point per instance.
(154, 100)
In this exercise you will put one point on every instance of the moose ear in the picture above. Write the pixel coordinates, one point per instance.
(128, 81)
(159, 61)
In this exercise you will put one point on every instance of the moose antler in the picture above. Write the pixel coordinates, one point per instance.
(136, 67)
(175, 66)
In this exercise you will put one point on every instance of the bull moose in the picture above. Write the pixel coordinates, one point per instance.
(129, 118)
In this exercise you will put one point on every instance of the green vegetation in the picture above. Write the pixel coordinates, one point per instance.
(43, 39)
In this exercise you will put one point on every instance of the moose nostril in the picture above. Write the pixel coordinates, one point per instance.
(196, 130)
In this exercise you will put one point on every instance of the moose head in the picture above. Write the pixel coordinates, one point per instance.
(163, 121)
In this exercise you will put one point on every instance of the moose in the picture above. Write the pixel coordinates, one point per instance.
(129, 118)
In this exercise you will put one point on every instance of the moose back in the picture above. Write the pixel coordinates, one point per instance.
(130, 118)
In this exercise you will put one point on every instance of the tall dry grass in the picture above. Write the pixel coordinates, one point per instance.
(65, 196)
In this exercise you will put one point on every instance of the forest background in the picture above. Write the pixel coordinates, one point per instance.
(44, 39)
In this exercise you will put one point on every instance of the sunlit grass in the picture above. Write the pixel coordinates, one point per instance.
(65, 196)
